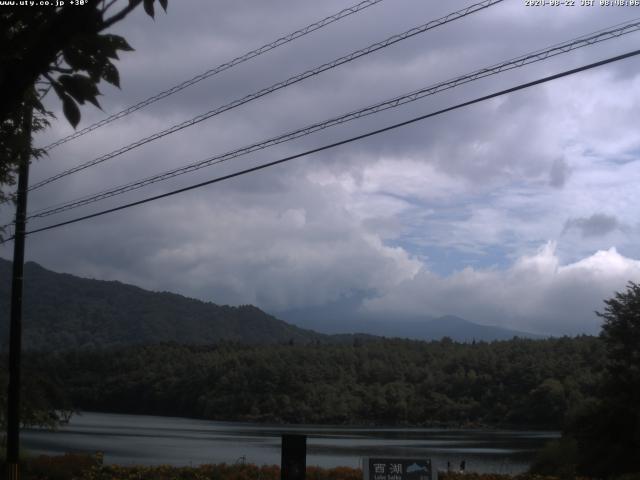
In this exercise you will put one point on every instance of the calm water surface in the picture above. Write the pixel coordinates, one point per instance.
(149, 440)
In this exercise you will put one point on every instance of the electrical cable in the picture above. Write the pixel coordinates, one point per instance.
(277, 86)
(342, 142)
(513, 63)
(220, 68)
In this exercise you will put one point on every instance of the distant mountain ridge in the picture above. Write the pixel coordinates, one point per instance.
(425, 328)
(465, 331)
(63, 311)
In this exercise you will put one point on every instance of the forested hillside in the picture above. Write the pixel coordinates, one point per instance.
(63, 311)
(532, 383)
(66, 312)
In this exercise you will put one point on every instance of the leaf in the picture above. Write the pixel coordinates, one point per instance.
(90, 59)
(71, 110)
(110, 74)
(106, 48)
(74, 58)
(163, 4)
(81, 88)
(94, 102)
(94, 68)
(70, 86)
(148, 7)
(117, 42)
(58, 89)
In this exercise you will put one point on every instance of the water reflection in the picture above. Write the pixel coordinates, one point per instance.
(148, 440)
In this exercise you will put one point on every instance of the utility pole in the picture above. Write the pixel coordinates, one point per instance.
(15, 335)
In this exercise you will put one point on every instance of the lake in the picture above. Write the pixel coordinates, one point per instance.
(150, 440)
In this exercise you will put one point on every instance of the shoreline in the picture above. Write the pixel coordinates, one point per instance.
(151, 440)
(471, 426)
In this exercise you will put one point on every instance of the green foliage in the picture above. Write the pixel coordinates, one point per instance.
(63, 49)
(302, 377)
(558, 458)
(87, 467)
(15, 140)
(84, 467)
(385, 382)
(548, 401)
(621, 335)
(44, 402)
(607, 429)
(63, 467)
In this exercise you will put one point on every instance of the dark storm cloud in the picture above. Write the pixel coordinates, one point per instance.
(307, 232)
(597, 225)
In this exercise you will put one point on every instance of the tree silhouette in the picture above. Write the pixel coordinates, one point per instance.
(62, 49)
(608, 429)
(48, 48)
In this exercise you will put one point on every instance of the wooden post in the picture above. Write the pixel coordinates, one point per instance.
(293, 464)
(15, 333)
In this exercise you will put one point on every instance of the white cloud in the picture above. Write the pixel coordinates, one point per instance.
(536, 293)
(231, 247)
(503, 175)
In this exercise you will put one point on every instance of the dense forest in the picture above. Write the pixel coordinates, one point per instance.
(532, 383)
(589, 387)
(100, 348)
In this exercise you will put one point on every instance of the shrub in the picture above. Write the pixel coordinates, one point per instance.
(62, 467)
(557, 458)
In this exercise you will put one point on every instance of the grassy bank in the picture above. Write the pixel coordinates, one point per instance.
(84, 467)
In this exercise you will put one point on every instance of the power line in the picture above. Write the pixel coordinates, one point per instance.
(342, 142)
(513, 63)
(220, 68)
(277, 86)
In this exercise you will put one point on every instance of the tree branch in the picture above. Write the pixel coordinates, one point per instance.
(50, 38)
(107, 6)
(61, 69)
(120, 15)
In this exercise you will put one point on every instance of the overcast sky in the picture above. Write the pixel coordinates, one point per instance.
(517, 212)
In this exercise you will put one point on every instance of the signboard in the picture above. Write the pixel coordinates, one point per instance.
(397, 469)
